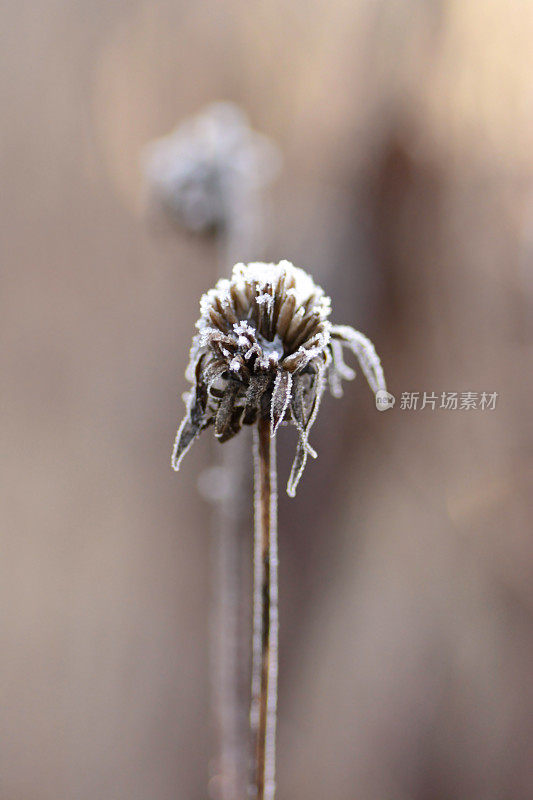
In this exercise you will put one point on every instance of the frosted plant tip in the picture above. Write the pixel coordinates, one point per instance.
(265, 348)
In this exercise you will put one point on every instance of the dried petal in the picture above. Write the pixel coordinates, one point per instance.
(187, 432)
(234, 426)
(285, 315)
(308, 326)
(295, 328)
(218, 320)
(303, 448)
(294, 361)
(298, 466)
(279, 294)
(224, 413)
(256, 389)
(338, 369)
(365, 352)
(281, 397)
(192, 424)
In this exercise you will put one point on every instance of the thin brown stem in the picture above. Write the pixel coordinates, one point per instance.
(265, 638)
(230, 709)
(228, 670)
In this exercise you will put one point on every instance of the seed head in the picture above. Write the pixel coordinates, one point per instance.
(265, 348)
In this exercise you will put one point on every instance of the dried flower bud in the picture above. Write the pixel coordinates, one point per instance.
(265, 347)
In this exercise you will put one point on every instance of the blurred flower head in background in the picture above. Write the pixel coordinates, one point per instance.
(204, 172)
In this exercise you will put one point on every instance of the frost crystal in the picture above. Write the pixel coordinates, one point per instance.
(265, 348)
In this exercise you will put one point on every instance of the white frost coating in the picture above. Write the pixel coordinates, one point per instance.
(205, 335)
(253, 349)
(259, 272)
(267, 275)
(312, 352)
(264, 278)
(243, 328)
(265, 300)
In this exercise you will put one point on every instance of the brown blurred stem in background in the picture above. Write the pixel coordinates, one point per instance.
(265, 627)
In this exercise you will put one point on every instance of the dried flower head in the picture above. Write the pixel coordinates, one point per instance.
(265, 347)
(209, 167)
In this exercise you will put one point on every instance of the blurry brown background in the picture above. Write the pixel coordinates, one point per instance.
(406, 557)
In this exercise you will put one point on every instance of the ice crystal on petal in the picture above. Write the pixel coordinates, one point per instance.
(265, 348)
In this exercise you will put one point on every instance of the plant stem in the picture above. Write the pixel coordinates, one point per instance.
(265, 612)
(226, 662)
(228, 524)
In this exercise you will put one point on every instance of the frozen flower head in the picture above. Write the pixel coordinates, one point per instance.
(266, 348)
(206, 168)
